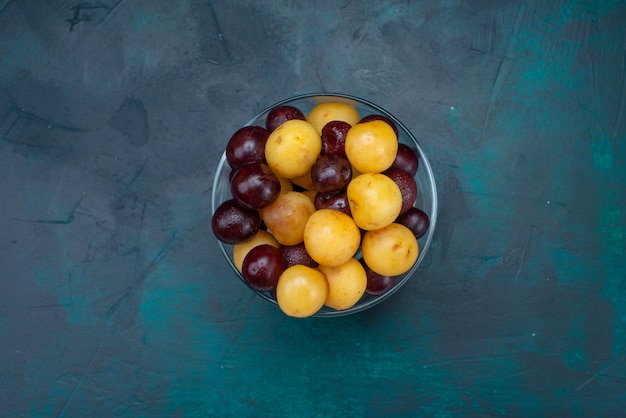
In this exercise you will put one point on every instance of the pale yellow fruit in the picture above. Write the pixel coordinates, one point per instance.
(323, 113)
(346, 284)
(331, 237)
(371, 147)
(287, 216)
(310, 194)
(242, 249)
(301, 291)
(390, 251)
(304, 181)
(375, 200)
(292, 148)
(285, 185)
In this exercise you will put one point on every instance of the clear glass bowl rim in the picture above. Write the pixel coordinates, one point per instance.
(424, 165)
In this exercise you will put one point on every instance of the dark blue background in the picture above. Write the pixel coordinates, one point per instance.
(115, 299)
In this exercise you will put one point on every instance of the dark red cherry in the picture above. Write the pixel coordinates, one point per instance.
(280, 114)
(296, 254)
(334, 137)
(406, 159)
(233, 223)
(331, 173)
(407, 185)
(247, 145)
(416, 220)
(337, 201)
(255, 186)
(262, 267)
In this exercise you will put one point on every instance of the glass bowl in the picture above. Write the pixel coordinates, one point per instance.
(426, 197)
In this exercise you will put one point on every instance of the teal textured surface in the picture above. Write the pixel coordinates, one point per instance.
(116, 301)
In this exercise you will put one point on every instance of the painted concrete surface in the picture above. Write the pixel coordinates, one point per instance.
(115, 300)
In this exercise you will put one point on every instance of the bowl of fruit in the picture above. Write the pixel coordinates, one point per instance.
(324, 205)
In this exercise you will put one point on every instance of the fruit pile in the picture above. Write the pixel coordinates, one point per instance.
(309, 192)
